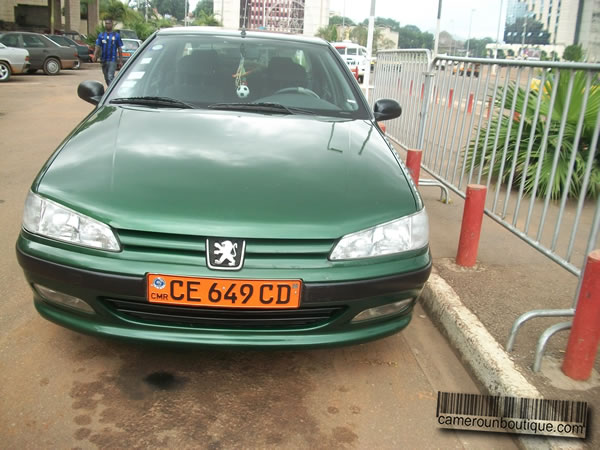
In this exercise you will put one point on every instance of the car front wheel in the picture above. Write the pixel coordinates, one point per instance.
(4, 71)
(51, 66)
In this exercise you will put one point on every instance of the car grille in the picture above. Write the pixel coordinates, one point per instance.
(220, 318)
(191, 249)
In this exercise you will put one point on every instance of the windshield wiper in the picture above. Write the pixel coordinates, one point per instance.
(165, 102)
(261, 107)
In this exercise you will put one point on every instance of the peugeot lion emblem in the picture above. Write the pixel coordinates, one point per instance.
(225, 253)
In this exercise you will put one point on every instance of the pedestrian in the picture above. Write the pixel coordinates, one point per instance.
(110, 43)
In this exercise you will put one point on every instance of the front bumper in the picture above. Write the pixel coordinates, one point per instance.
(102, 290)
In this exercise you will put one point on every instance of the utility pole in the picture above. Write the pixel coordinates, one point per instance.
(469, 38)
(498, 30)
(437, 29)
(367, 75)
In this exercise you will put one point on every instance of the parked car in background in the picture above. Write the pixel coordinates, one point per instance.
(472, 69)
(129, 48)
(44, 53)
(128, 34)
(355, 56)
(12, 61)
(211, 198)
(82, 50)
(80, 39)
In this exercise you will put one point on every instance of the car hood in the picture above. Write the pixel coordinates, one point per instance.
(223, 173)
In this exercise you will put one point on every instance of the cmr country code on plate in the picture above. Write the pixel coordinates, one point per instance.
(561, 418)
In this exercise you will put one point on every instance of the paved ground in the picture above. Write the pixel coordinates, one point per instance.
(510, 279)
(60, 389)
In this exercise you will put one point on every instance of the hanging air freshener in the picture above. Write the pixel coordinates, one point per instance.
(241, 85)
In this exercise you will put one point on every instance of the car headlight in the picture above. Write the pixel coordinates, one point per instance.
(400, 235)
(51, 220)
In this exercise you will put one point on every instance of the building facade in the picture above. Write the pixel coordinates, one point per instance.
(36, 15)
(288, 16)
(567, 21)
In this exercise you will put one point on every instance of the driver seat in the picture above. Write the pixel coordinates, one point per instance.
(284, 73)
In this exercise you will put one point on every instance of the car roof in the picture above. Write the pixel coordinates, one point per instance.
(253, 34)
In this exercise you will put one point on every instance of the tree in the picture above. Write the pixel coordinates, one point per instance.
(477, 47)
(359, 35)
(204, 6)
(339, 20)
(115, 10)
(573, 53)
(175, 8)
(207, 20)
(410, 36)
(329, 33)
(384, 22)
(534, 30)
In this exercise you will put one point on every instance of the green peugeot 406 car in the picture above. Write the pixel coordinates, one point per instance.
(230, 188)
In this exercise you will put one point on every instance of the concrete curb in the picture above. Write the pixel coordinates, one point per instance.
(478, 349)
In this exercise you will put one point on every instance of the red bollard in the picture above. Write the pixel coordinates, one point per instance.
(355, 71)
(470, 230)
(381, 126)
(422, 91)
(410, 89)
(450, 98)
(413, 163)
(470, 107)
(585, 331)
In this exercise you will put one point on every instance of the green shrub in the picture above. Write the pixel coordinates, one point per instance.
(498, 129)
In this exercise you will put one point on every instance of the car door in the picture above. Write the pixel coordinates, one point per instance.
(37, 49)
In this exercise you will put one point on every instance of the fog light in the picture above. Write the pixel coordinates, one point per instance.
(63, 299)
(384, 310)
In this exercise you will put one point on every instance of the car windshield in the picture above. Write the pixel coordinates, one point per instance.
(210, 71)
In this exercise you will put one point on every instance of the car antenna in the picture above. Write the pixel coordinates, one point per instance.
(245, 19)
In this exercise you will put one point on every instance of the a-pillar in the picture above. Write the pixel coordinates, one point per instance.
(72, 15)
(93, 16)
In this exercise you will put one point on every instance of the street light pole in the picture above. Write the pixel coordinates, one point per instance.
(469, 38)
(498, 30)
(437, 29)
(367, 75)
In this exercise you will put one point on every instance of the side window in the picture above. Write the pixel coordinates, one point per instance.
(11, 40)
(32, 41)
(351, 51)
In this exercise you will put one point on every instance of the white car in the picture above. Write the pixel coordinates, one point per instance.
(355, 56)
(12, 61)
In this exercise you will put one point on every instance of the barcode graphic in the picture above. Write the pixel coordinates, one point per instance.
(512, 407)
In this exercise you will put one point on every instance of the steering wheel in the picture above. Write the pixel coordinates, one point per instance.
(298, 90)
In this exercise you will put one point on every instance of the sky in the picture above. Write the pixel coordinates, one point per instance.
(422, 13)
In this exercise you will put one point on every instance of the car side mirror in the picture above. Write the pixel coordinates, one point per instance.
(386, 109)
(91, 91)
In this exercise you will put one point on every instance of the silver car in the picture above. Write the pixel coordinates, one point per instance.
(12, 61)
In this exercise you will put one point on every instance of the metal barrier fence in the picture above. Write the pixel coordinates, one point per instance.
(527, 130)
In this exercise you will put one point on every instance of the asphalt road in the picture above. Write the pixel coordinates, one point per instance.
(59, 389)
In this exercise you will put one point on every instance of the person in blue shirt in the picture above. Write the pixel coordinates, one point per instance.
(109, 43)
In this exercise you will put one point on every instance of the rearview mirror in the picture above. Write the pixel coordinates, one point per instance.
(91, 91)
(386, 109)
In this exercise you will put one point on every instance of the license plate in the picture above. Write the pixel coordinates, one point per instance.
(223, 292)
